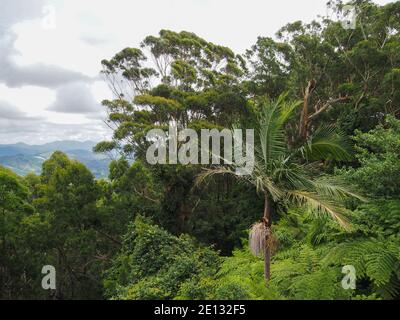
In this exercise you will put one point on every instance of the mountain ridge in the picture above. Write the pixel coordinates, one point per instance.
(24, 158)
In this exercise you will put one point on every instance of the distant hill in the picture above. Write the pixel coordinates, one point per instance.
(23, 158)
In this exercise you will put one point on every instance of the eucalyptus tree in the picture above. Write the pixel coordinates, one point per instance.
(342, 75)
(15, 262)
(286, 176)
(174, 78)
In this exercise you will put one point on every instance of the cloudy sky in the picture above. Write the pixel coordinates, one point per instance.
(50, 52)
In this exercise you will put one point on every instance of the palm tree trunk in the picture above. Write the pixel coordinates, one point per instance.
(267, 249)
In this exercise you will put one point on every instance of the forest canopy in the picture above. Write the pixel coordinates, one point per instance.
(324, 102)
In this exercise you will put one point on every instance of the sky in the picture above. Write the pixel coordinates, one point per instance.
(50, 53)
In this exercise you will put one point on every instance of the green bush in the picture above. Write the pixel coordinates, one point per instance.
(154, 264)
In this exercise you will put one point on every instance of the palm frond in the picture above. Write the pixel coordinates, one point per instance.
(287, 109)
(273, 117)
(271, 134)
(319, 205)
(327, 144)
(208, 173)
(263, 182)
(291, 174)
(334, 188)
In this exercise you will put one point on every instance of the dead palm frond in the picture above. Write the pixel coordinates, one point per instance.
(260, 238)
(257, 239)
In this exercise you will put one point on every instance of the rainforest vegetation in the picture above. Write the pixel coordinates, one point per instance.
(324, 102)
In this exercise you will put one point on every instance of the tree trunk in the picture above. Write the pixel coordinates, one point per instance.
(267, 249)
(303, 128)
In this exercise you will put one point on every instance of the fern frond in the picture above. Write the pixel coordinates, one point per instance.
(377, 260)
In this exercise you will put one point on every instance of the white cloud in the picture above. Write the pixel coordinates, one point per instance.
(33, 100)
(9, 112)
(36, 131)
(75, 98)
(51, 74)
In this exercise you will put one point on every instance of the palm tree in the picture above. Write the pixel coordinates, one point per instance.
(287, 176)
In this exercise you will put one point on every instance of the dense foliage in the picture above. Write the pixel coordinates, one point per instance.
(325, 103)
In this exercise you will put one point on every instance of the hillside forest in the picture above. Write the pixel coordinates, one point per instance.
(324, 103)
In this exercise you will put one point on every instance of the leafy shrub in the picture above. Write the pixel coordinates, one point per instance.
(154, 264)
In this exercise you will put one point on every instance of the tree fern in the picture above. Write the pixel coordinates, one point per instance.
(375, 260)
